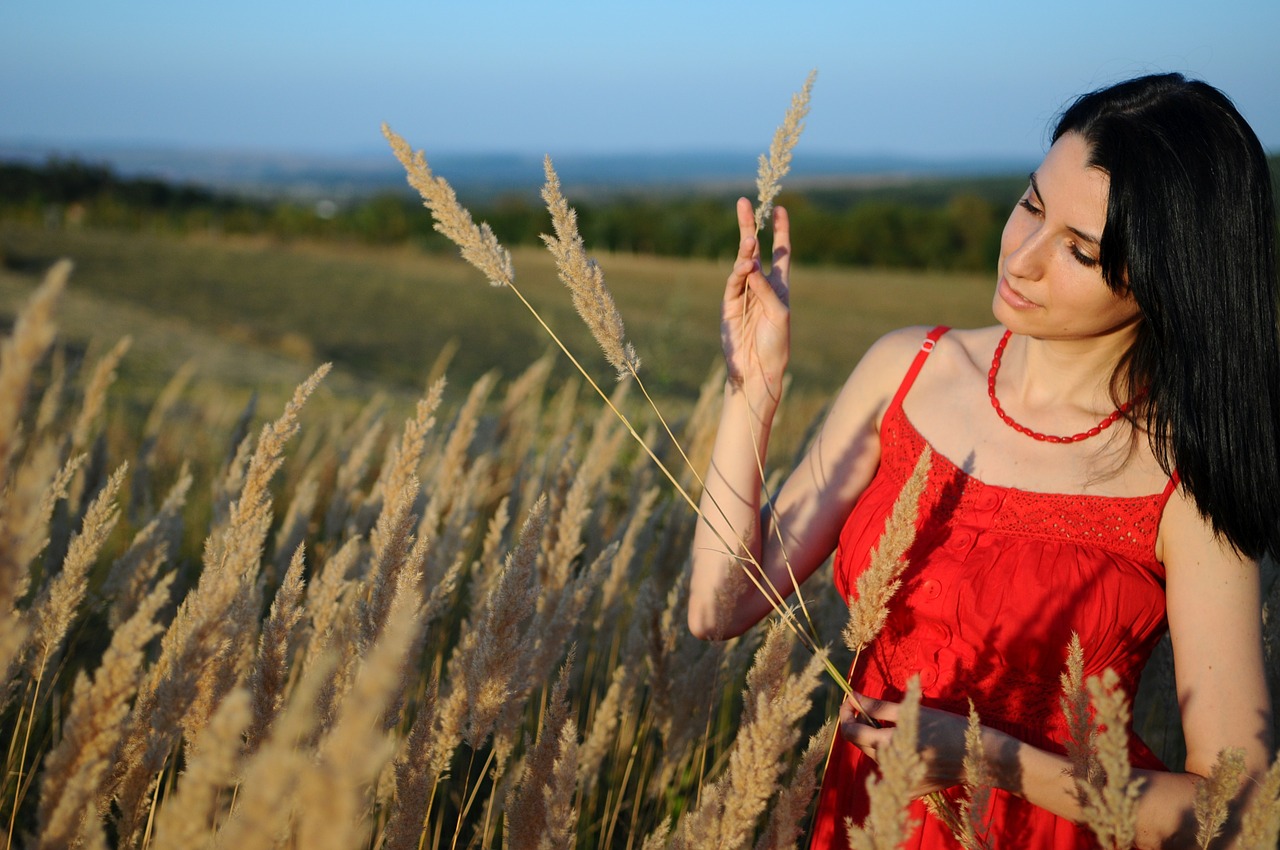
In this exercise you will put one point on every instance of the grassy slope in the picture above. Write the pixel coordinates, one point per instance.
(385, 314)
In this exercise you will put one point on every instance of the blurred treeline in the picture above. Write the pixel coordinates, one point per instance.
(935, 223)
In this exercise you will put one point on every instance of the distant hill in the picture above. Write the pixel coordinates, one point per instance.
(273, 175)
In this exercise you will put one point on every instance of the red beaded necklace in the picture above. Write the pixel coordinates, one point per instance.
(1036, 435)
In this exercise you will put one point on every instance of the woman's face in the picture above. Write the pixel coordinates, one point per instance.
(1050, 281)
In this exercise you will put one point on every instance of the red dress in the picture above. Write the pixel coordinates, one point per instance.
(998, 580)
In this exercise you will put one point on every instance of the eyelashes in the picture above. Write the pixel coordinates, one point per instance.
(1080, 257)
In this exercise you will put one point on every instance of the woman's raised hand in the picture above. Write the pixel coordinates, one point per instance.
(755, 318)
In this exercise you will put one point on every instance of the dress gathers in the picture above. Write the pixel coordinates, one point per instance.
(999, 579)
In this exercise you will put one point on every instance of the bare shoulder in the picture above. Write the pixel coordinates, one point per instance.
(1188, 547)
(959, 352)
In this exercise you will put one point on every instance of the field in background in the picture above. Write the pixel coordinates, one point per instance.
(258, 315)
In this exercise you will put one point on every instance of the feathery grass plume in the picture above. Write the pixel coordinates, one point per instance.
(776, 165)
(185, 821)
(351, 473)
(451, 464)
(73, 770)
(292, 532)
(275, 646)
(395, 531)
(325, 597)
(528, 808)
(1260, 821)
(26, 508)
(562, 817)
(889, 820)
(51, 400)
(269, 779)
(612, 586)
(1111, 809)
(1215, 793)
(869, 609)
(33, 333)
(552, 624)
(489, 653)
(479, 246)
(657, 840)
(786, 814)
(353, 753)
(1082, 741)
(54, 609)
(407, 457)
(623, 685)
(131, 574)
(585, 279)
(488, 566)
(413, 780)
(978, 781)
(773, 705)
(200, 652)
(95, 393)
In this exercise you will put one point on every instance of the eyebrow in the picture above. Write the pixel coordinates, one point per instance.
(1084, 236)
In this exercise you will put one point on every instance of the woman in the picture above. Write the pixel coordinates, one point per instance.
(1103, 464)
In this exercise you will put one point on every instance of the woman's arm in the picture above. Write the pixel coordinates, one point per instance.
(1215, 619)
(817, 496)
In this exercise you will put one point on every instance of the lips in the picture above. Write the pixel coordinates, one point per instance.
(1014, 298)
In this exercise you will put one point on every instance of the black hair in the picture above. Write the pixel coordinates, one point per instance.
(1191, 232)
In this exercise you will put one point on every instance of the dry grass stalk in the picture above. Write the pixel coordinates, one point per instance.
(200, 653)
(408, 455)
(786, 814)
(413, 779)
(619, 573)
(889, 821)
(354, 752)
(1260, 822)
(451, 465)
(293, 529)
(529, 815)
(186, 820)
(1111, 810)
(351, 473)
(776, 165)
(479, 246)
(978, 781)
(33, 333)
(882, 578)
(73, 771)
(489, 654)
(391, 557)
(269, 779)
(774, 704)
(95, 393)
(1082, 743)
(131, 574)
(1215, 793)
(275, 647)
(54, 608)
(585, 279)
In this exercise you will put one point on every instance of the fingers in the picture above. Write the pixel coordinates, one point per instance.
(748, 246)
(782, 244)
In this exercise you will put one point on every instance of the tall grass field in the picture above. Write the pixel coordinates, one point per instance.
(432, 596)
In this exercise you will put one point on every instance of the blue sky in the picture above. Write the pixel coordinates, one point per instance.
(934, 79)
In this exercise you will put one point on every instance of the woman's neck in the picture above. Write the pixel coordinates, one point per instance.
(1044, 373)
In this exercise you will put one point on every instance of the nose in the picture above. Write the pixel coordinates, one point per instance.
(1023, 248)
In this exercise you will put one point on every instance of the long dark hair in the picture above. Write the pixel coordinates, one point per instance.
(1191, 232)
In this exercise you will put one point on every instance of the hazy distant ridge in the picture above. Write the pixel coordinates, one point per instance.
(488, 173)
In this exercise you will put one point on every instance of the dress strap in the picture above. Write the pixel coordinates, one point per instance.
(930, 340)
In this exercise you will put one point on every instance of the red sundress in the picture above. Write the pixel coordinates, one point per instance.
(998, 580)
